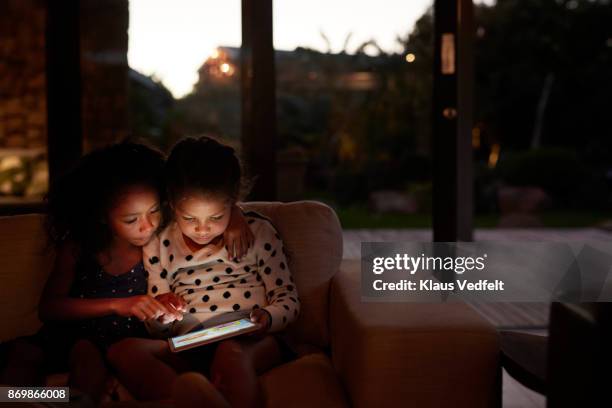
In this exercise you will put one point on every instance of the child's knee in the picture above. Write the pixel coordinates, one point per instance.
(122, 350)
(229, 349)
(230, 356)
(132, 348)
(233, 373)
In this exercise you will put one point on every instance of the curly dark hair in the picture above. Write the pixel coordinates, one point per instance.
(206, 166)
(79, 202)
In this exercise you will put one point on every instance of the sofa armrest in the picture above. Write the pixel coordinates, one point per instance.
(425, 355)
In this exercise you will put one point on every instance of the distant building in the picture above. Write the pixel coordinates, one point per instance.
(301, 69)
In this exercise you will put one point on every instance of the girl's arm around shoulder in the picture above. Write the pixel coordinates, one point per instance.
(238, 236)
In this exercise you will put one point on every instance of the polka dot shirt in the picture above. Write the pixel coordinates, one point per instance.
(212, 284)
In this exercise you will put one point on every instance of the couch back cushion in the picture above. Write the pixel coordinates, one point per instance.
(310, 231)
(25, 263)
(312, 238)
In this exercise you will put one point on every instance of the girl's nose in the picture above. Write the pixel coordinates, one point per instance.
(146, 225)
(202, 227)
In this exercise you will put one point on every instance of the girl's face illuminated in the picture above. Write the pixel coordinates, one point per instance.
(136, 215)
(202, 218)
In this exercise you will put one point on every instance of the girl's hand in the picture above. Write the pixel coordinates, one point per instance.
(238, 236)
(175, 304)
(144, 307)
(261, 317)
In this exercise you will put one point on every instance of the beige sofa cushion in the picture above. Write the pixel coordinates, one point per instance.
(312, 237)
(25, 263)
(425, 355)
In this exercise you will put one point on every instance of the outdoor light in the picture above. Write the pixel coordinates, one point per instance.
(410, 57)
(494, 156)
(225, 67)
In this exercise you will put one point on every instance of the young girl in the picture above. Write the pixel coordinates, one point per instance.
(100, 215)
(203, 179)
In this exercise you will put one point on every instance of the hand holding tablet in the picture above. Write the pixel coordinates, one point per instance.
(261, 317)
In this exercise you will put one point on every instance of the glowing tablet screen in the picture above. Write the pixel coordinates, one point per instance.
(210, 334)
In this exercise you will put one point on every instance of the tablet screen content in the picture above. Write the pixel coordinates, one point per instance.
(211, 334)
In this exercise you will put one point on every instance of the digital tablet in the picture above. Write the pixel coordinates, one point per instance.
(212, 334)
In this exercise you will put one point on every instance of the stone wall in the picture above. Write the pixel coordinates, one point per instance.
(23, 111)
(23, 103)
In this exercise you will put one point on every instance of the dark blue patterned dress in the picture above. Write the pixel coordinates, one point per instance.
(93, 282)
(57, 338)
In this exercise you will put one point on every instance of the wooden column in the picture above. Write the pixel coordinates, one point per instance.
(452, 121)
(258, 97)
(63, 70)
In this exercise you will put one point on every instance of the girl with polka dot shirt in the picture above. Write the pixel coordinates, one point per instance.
(188, 261)
(212, 284)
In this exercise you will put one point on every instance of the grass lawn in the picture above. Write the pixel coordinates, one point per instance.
(360, 217)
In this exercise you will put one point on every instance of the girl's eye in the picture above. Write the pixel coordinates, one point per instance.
(216, 218)
(130, 221)
(153, 211)
(188, 219)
